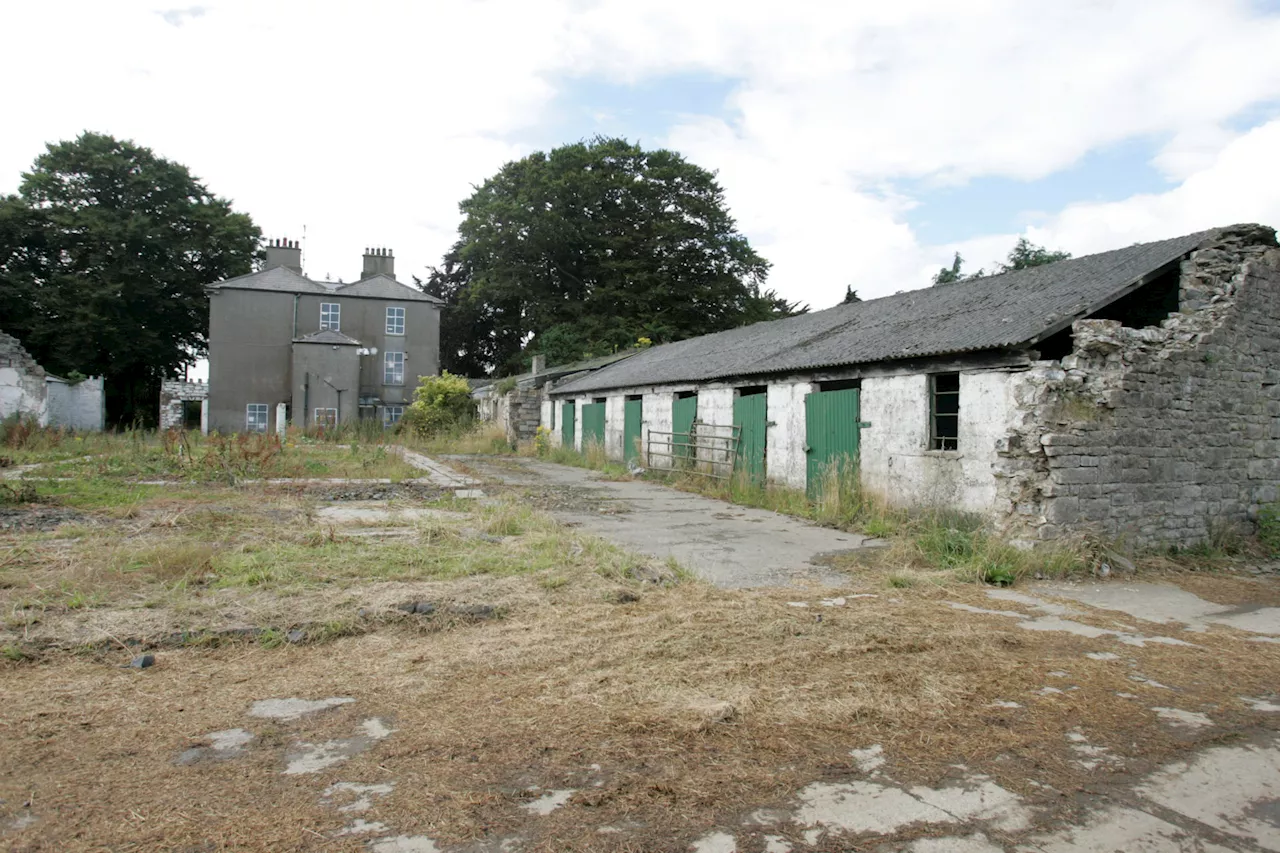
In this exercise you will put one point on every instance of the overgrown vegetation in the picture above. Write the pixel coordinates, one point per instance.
(442, 405)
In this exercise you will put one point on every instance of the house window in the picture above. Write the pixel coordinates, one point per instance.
(395, 321)
(391, 415)
(255, 417)
(326, 418)
(330, 316)
(944, 411)
(393, 369)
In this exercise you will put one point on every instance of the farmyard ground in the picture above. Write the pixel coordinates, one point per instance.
(554, 692)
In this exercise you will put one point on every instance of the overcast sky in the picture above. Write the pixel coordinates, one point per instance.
(858, 142)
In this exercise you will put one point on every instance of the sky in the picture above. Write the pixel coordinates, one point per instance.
(858, 143)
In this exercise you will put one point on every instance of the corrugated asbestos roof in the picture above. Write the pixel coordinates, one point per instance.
(286, 280)
(988, 313)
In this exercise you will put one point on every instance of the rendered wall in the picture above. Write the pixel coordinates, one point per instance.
(81, 406)
(22, 385)
(785, 458)
(657, 417)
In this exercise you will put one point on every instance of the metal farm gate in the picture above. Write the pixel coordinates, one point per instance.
(750, 416)
(832, 431)
(566, 424)
(632, 422)
(592, 425)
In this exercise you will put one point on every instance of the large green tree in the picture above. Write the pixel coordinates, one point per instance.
(586, 249)
(105, 253)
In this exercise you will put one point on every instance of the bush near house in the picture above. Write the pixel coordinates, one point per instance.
(440, 404)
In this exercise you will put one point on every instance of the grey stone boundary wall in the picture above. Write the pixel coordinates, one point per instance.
(1165, 435)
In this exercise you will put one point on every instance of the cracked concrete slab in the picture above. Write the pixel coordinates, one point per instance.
(1165, 603)
(728, 545)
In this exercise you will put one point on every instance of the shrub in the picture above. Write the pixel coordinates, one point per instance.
(1269, 527)
(440, 404)
(542, 441)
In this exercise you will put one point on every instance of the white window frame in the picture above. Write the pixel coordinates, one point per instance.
(251, 423)
(395, 320)
(331, 316)
(323, 419)
(391, 415)
(390, 361)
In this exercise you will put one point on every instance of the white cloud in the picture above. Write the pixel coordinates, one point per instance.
(368, 123)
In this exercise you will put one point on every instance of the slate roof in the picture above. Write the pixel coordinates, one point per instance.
(995, 312)
(558, 371)
(286, 280)
(327, 336)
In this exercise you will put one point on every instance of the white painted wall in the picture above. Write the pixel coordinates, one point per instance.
(81, 406)
(785, 459)
(615, 414)
(23, 392)
(657, 416)
(895, 459)
(578, 403)
(715, 407)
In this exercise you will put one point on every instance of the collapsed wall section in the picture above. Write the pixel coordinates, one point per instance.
(22, 382)
(1161, 435)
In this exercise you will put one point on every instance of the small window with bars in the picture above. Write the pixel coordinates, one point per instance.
(944, 411)
(391, 415)
(393, 369)
(326, 418)
(255, 417)
(330, 316)
(395, 321)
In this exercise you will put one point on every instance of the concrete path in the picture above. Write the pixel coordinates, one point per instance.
(728, 545)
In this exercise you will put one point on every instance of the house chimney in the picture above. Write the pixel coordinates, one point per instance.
(379, 262)
(539, 364)
(284, 253)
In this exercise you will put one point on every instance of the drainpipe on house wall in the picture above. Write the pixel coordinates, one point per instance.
(306, 397)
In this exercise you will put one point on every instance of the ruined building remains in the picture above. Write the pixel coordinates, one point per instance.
(1133, 393)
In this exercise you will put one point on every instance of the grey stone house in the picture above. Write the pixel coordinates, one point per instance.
(286, 348)
(1132, 393)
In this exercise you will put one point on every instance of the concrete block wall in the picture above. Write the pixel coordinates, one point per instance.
(173, 392)
(79, 406)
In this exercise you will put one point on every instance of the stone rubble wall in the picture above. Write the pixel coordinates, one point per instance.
(1162, 435)
(172, 394)
(22, 382)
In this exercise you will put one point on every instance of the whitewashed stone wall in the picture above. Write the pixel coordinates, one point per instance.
(80, 406)
(786, 461)
(657, 417)
(614, 424)
(22, 385)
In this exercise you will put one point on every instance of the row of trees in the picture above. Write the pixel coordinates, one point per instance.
(106, 250)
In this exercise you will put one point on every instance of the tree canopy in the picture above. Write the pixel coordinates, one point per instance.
(589, 248)
(1023, 255)
(105, 253)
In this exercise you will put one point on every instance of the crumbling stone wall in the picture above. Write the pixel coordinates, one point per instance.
(173, 392)
(22, 382)
(1158, 435)
(523, 413)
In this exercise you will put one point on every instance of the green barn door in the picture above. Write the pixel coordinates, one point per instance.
(592, 425)
(566, 425)
(633, 418)
(684, 410)
(831, 433)
(750, 416)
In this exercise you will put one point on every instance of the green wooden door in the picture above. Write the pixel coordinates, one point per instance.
(633, 418)
(684, 410)
(592, 425)
(831, 433)
(566, 424)
(750, 416)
